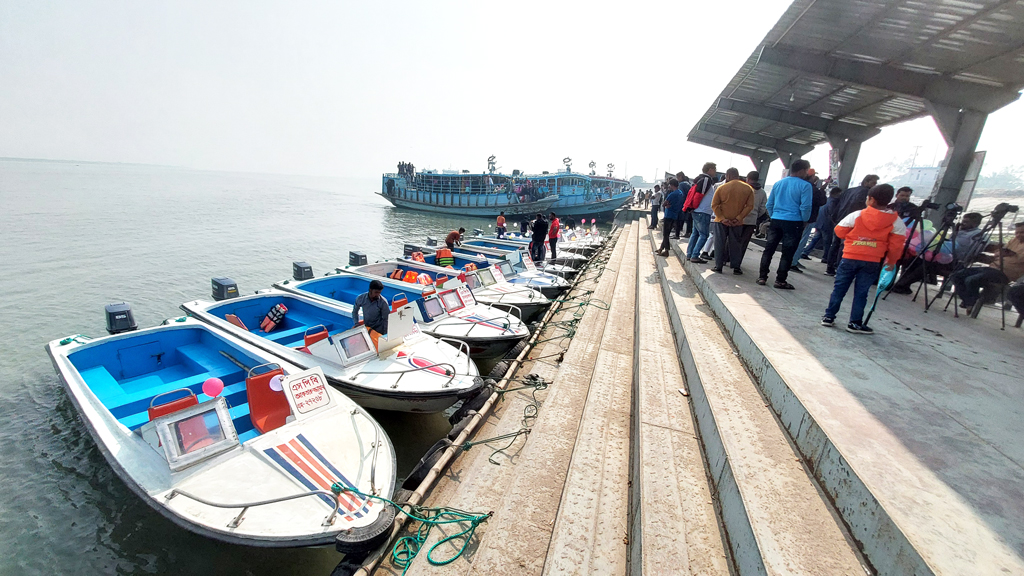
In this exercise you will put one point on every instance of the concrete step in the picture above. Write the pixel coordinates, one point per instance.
(777, 521)
(674, 529)
(913, 434)
(590, 532)
(517, 537)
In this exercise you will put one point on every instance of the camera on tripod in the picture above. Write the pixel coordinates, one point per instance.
(929, 205)
(1001, 209)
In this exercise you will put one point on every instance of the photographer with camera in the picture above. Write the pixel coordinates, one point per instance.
(902, 204)
(968, 282)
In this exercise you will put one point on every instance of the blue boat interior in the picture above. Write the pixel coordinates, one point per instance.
(460, 260)
(488, 244)
(291, 330)
(345, 288)
(126, 374)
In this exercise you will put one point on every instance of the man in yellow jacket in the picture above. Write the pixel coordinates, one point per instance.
(732, 202)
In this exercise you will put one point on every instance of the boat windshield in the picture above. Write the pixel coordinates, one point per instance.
(506, 269)
(485, 277)
(473, 281)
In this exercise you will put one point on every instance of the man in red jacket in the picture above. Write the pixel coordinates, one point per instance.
(869, 235)
(553, 235)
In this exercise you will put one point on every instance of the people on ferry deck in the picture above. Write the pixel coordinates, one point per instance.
(499, 227)
(374, 307)
(553, 235)
(454, 238)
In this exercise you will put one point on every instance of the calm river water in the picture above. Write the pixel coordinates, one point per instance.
(76, 236)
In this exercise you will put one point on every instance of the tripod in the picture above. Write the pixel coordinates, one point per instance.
(933, 245)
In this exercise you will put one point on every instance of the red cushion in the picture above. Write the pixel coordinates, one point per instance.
(172, 406)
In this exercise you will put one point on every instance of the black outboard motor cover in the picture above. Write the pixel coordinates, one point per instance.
(302, 271)
(431, 241)
(408, 249)
(119, 318)
(224, 288)
(356, 259)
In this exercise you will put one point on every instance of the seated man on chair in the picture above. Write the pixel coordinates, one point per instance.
(969, 281)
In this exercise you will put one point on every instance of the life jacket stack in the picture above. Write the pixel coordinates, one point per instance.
(274, 317)
(469, 267)
(445, 258)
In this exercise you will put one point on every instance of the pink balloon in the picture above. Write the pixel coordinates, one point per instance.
(213, 387)
(276, 383)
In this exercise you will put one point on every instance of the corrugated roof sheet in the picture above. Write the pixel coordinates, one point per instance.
(978, 42)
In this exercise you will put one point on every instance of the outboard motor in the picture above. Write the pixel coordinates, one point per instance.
(478, 232)
(356, 259)
(119, 318)
(408, 249)
(224, 288)
(431, 241)
(302, 271)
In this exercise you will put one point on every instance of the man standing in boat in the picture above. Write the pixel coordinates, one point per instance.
(454, 238)
(499, 227)
(375, 308)
(553, 235)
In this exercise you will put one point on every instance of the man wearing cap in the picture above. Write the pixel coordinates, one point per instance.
(968, 282)
(375, 308)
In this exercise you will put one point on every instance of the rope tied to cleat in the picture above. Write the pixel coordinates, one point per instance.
(407, 548)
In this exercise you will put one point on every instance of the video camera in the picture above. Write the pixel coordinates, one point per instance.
(1001, 209)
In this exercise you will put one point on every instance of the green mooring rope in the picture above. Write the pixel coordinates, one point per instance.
(407, 547)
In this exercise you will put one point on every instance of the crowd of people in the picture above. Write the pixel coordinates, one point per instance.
(862, 231)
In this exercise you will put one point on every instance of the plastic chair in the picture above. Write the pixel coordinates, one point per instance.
(268, 409)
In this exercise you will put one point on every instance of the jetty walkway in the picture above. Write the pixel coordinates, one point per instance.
(695, 423)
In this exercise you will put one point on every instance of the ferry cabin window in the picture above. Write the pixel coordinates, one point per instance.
(197, 432)
(355, 345)
(485, 277)
(433, 307)
(451, 300)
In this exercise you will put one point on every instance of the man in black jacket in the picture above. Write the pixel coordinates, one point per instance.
(540, 235)
(819, 200)
(852, 200)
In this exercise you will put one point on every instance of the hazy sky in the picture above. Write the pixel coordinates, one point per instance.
(351, 88)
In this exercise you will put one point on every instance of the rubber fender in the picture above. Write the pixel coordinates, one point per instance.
(516, 350)
(460, 426)
(473, 404)
(367, 538)
(499, 370)
(419, 472)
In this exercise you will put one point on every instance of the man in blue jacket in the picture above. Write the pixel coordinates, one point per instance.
(789, 206)
(673, 210)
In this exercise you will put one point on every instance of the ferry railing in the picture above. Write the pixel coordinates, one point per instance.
(246, 505)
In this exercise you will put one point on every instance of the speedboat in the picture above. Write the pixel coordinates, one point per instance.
(567, 270)
(516, 267)
(451, 312)
(228, 441)
(403, 370)
(485, 286)
(567, 256)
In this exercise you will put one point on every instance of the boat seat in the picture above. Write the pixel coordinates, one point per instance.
(314, 337)
(158, 410)
(441, 279)
(135, 414)
(285, 335)
(399, 301)
(204, 356)
(268, 408)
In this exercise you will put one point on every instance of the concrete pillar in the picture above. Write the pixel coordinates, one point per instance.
(848, 150)
(761, 163)
(961, 128)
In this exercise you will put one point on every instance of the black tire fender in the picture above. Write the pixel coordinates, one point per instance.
(430, 457)
(367, 538)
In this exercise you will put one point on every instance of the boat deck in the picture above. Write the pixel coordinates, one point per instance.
(705, 425)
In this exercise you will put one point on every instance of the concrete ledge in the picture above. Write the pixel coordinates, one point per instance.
(880, 538)
(775, 518)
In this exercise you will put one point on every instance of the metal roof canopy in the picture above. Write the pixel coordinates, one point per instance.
(840, 70)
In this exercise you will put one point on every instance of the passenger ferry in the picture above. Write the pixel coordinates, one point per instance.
(566, 193)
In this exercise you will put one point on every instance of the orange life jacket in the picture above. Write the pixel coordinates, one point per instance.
(410, 276)
(469, 267)
(424, 279)
(397, 274)
(418, 257)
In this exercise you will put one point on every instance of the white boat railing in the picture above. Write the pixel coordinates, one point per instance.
(246, 505)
